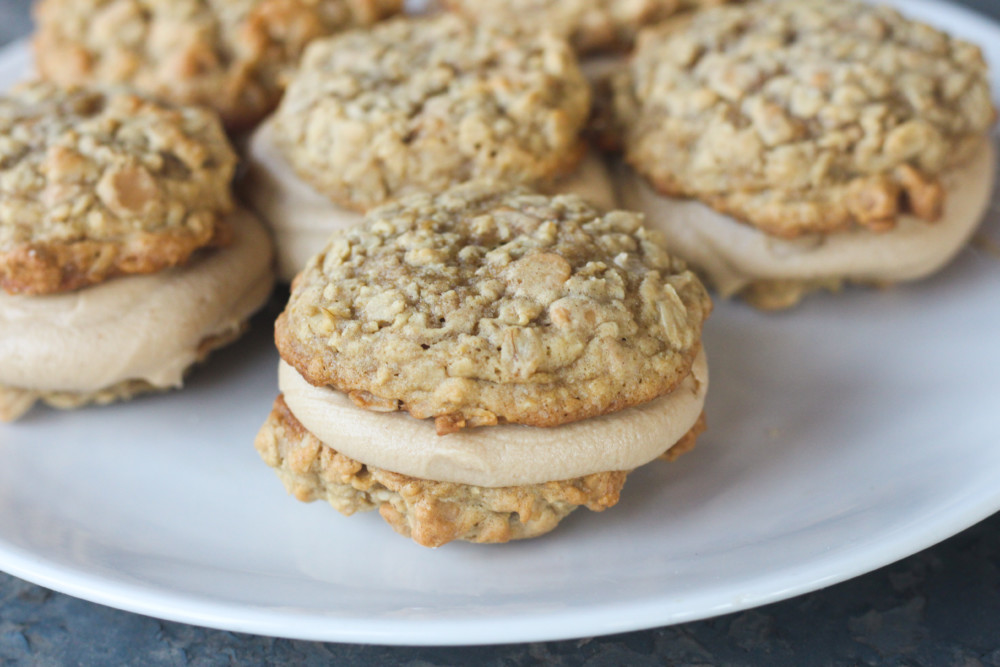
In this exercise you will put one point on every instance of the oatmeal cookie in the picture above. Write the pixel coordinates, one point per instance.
(229, 55)
(482, 305)
(431, 513)
(803, 116)
(589, 25)
(95, 184)
(423, 104)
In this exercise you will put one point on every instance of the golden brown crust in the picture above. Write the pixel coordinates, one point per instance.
(431, 513)
(773, 295)
(97, 184)
(777, 294)
(230, 55)
(40, 268)
(589, 25)
(15, 402)
(483, 305)
(803, 116)
(422, 104)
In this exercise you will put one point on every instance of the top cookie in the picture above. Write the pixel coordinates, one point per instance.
(97, 184)
(589, 25)
(423, 104)
(230, 55)
(480, 306)
(803, 116)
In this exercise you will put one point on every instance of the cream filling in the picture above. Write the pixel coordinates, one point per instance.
(497, 456)
(734, 255)
(146, 327)
(302, 219)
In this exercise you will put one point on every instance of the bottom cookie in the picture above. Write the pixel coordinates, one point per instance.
(782, 294)
(432, 513)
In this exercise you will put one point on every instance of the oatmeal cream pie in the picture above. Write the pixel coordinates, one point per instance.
(476, 364)
(230, 55)
(414, 105)
(786, 146)
(122, 259)
(589, 25)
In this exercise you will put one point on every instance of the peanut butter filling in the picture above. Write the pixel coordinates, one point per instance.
(498, 456)
(733, 255)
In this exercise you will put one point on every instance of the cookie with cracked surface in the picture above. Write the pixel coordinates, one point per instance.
(803, 116)
(483, 305)
(97, 184)
(431, 513)
(423, 104)
(229, 55)
(589, 25)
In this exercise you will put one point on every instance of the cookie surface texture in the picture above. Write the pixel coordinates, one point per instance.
(589, 25)
(482, 305)
(230, 55)
(98, 184)
(803, 116)
(423, 104)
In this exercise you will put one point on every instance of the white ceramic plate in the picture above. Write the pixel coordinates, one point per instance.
(844, 435)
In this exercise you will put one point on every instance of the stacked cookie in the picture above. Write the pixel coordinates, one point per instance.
(414, 105)
(122, 258)
(820, 143)
(477, 364)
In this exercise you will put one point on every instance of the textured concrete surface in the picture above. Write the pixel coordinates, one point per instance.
(939, 607)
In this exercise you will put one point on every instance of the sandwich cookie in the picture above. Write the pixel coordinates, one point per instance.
(476, 364)
(122, 259)
(417, 105)
(229, 55)
(788, 146)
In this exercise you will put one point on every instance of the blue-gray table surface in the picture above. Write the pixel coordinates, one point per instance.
(939, 607)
